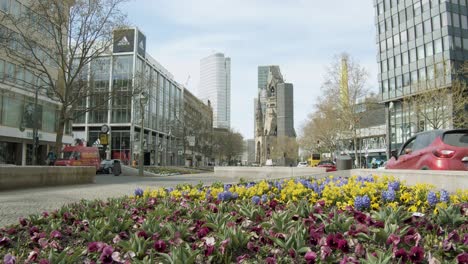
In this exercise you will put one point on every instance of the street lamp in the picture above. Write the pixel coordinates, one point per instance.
(143, 102)
(33, 115)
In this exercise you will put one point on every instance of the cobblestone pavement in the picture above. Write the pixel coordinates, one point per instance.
(21, 203)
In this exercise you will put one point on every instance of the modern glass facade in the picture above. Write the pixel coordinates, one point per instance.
(19, 112)
(215, 86)
(124, 75)
(419, 43)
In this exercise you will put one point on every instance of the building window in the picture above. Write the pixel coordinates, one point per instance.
(456, 20)
(382, 46)
(404, 58)
(430, 72)
(382, 27)
(422, 74)
(387, 4)
(396, 40)
(464, 21)
(389, 43)
(446, 21)
(383, 66)
(426, 5)
(427, 26)
(402, 16)
(420, 52)
(419, 30)
(10, 71)
(392, 84)
(399, 82)
(12, 111)
(380, 8)
(395, 21)
(429, 50)
(414, 77)
(388, 24)
(384, 86)
(458, 42)
(397, 61)
(465, 44)
(409, 13)
(436, 22)
(406, 79)
(411, 33)
(437, 46)
(447, 43)
(412, 54)
(417, 8)
(403, 37)
(391, 65)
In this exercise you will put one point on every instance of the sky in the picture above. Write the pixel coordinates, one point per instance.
(303, 37)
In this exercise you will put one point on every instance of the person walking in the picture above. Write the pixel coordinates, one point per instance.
(51, 157)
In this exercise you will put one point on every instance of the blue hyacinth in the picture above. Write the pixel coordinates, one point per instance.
(256, 199)
(138, 192)
(362, 202)
(389, 195)
(394, 185)
(264, 198)
(224, 196)
(227, 186)
(432, 198)
(444, 196)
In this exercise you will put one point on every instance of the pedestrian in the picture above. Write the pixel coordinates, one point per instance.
(51, 157)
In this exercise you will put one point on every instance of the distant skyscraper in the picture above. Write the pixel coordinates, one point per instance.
(215, 86)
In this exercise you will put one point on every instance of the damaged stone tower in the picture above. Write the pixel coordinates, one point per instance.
(274, 115)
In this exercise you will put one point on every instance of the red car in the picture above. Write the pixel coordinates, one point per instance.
(433, 150)
(327, 164)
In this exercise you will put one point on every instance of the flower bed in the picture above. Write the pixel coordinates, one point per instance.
(332, 220)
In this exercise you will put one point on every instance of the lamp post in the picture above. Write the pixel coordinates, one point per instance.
(143, 101)
(33, 115)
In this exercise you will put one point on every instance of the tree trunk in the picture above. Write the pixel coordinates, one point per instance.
(356, 158)
(60, 131)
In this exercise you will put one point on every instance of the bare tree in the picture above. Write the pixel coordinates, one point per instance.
(227, 145)
(57, 40)
(322, 132)
(284, 149)
(337, 118)
(436, 105)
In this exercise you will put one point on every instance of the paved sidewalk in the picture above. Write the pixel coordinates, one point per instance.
(22, 203)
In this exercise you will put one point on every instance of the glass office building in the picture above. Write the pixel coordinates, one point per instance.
(420, 43)
(19, 112)
(215, 86)
(124, 74)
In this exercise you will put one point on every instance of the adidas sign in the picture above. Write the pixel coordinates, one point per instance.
(123, 42)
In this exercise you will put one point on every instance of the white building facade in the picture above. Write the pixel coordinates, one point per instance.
(215, 87)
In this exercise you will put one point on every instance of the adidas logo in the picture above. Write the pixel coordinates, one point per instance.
(123, 42)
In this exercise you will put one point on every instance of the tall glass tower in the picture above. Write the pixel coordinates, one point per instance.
(215, 86)
(420, 43)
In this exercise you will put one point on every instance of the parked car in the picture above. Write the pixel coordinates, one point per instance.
(327, 164)
(80, 156)
(302, 164)
(111, 167)
(433, 150)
